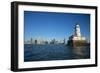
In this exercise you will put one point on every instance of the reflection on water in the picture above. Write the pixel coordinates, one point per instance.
(54, 52)
(81, 52)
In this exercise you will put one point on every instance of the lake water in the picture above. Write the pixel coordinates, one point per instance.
(54, 52)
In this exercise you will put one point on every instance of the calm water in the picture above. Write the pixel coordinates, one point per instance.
(54, 52)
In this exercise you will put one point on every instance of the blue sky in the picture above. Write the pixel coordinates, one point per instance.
(50, 25)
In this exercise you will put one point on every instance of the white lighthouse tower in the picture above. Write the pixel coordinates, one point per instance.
(77, 31)
(77, 34)
(77, 38)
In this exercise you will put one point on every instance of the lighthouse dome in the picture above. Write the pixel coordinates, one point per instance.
(77, 25)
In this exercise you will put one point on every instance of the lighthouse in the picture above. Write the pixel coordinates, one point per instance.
(77, 38)
(77, 30)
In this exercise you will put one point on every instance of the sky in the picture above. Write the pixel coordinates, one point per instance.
(50, 25)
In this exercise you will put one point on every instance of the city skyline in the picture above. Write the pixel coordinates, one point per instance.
(52, 25)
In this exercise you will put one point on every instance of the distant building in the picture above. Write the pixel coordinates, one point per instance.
(77, 39)
(64, 41)
(53, 41)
